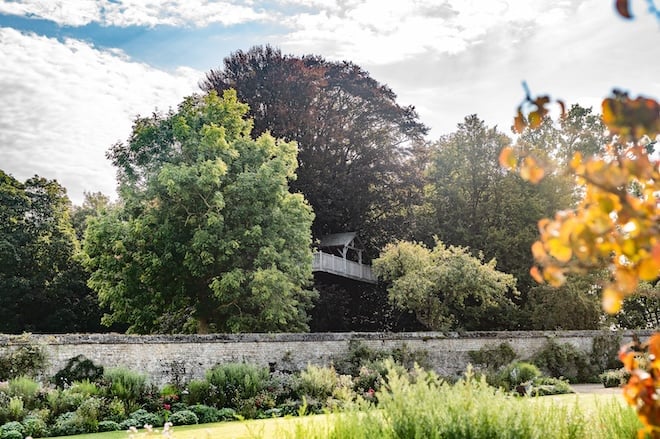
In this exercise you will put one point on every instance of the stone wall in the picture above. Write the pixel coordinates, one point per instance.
(171, 358)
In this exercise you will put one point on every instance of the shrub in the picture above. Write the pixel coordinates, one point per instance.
(108, 426)
(68, 424)
(614, 377)
(317, 381)
(234, 382)
(25, 388)
(113, 410)
(11, 434)
(62, 401)
(493, 358)
(143, 417)
(78, 368)
(199, 392)
(564, 360)
(128, 423)
(407, 358)
(358, 355)
(513, 375)
(28, 360)
(15, 409)
(544, 386)
(126, 385)
(85, 387)
(35, 427)
(88, 414)
(227, 414)
(206, 414)
(12, 426)
(184, 417)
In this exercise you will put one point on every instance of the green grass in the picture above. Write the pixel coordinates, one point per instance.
(600, 410)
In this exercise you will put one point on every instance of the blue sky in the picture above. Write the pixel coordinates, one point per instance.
(74, 73)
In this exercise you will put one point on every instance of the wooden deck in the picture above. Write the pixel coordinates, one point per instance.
(328, 263)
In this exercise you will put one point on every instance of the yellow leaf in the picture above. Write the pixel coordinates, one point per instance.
(626, 279)
(559, 250)
(648, 269)
(508, 158)
(611, 300)
(554, 275)
(531, 171)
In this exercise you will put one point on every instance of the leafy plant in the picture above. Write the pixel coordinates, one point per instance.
(565, 360)
(184, 417)
(27, 359)
(126, 385)
(35, 427)
(493, 357)
(108, 426)
(233, 382)
(78, 368)
(614, 377)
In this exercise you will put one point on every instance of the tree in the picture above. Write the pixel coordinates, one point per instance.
(574, 305)
(207, 236)
(42, 283)
(471, 202)
(446, 287)
(641, 310)
(94, 204)
(355, 142)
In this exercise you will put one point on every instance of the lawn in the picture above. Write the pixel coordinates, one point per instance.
(589, 404)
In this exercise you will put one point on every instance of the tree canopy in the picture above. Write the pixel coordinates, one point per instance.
(207, 236)
(446, 287)
(42, 282)
(355, 141)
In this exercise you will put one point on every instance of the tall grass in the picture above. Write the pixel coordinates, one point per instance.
(423, 406)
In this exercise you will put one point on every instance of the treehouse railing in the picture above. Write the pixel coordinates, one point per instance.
(342, 267)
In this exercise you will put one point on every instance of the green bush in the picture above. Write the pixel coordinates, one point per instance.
(544, 386)
(184, 417)
(88, 414)
(143, 418)
(126, 385)
(35, 427)
(128, 423)
(78, 368)
(317, 382)
(85, 387)
(12, 426)
(108, 426)
(199, 392)
(25, 388)
(27, 359)
(232, 383)
(604, 352)
(565, 360)
(68, 424)
(62, 401)
(358, 355)
(493, 358)
(113, 410)
(11, 434)
(206, 414)
(227, 414)
(614, 377)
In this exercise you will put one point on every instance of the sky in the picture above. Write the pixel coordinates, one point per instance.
(75, 73)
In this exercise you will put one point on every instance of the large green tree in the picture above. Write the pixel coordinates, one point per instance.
(42, 282)
(446, 287)
(356, 143)
(207, 236)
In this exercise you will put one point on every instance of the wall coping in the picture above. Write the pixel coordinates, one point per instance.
(115, 338)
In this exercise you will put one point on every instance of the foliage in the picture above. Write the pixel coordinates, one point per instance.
(232, 383)
(207, 231)
(493, 357)
(574, 305)
(318, 382)
(41, 277)
(128, 386)
(615, 225)
(517, 373)
(24, 388)
(184, 417)
(199, 392)
(565, 360)
(641, 310)
(469, 409)
(544, 386)
(27, 359)
(614, 377)
(68, 424)
(143, 417)
(77, 368)
(604, 352)
(350, 131)
(108, 426)
(35, 427)
(206, 414)
(446, 287)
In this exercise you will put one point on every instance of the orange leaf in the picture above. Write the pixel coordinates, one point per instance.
(508, 158)
(519, 122)
(531, 171)
(538, 251)
(536, 274)
(654, 345)
(554, 275)
(649, 269)
(559, 250)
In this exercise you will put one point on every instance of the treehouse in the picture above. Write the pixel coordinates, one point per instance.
(340, 254)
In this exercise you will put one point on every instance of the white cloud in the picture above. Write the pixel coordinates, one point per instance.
(124, 13)
(65, 103)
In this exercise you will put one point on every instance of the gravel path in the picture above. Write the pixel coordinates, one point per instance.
(596, 389)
